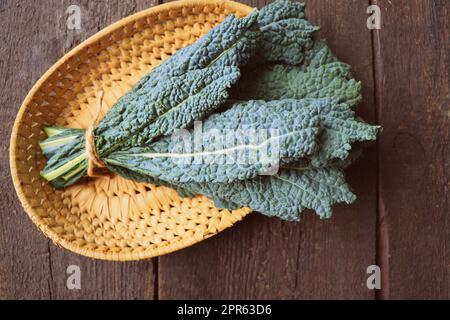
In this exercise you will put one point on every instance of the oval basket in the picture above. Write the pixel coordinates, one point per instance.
(114, 218)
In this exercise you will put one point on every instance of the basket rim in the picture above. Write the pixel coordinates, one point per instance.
(110, 256)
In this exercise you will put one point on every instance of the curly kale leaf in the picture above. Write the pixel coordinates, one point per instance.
(318, 75)
(137, 177)
(284, 195)
(231, 43)
(285, 33)
(262, 133)
(276, 82)
(319, 54)
(294, 128)
(342, 129)
(181, 101)
(227, 46)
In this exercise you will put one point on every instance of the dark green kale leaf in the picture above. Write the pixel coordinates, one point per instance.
(298, 126)
(285, 33)
(284, 195)
(276, 82)
(288, 130)
(319, 74)
(175, 104)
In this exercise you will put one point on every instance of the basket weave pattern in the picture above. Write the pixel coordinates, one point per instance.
(113, 218)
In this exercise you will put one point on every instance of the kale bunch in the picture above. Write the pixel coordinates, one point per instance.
(263, 73)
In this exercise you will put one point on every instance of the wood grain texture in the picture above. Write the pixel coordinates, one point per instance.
(263, 258)
(413, 97)
(33, 36)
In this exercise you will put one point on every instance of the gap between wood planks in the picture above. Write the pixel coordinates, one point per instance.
(382, 240)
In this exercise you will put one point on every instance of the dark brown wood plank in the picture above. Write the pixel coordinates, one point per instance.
(33, 36)
(413, 97)
(264, 258)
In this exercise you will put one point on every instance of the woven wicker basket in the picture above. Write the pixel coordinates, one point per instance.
(114, 218)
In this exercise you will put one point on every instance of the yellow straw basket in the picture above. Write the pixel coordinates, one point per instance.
(113, 218)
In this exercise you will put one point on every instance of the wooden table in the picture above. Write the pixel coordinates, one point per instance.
(400, 222)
